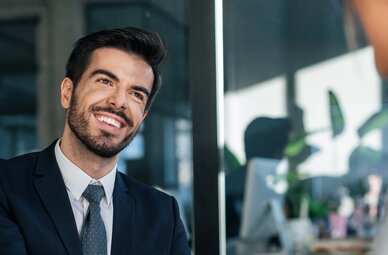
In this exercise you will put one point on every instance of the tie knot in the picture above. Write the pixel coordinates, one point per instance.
(94, 193)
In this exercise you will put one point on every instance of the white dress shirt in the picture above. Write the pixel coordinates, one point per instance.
(76, 182)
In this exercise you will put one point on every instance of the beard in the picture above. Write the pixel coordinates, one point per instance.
(101, 145)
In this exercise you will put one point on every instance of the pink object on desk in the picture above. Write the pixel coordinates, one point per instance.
(338, 225)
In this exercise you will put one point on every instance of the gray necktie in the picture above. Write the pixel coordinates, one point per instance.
(93, 236)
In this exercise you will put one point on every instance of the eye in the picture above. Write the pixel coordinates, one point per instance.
(138, 95)
(104, 81)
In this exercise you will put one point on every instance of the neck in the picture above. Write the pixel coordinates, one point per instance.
(93, 165)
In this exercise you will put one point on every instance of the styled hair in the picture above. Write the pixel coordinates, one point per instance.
(145, 44)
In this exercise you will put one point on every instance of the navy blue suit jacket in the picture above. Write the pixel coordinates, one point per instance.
(36, 216)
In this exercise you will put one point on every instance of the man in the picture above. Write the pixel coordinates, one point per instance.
(48, 199)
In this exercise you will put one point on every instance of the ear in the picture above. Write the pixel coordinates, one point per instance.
(144, 114)
(67, 87)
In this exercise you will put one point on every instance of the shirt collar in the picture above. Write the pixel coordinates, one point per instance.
(77, 180)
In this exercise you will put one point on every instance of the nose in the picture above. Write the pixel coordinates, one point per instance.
(118, 99)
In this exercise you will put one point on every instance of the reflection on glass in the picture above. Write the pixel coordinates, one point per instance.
(350, 74)
(289, 60)
(256, 98)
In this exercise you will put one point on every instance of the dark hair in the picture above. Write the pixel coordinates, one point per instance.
(147, 45)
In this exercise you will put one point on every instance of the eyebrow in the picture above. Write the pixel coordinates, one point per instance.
(105, 72)
(142, 89)
(114, 77)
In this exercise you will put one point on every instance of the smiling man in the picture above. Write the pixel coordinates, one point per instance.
(69, 198)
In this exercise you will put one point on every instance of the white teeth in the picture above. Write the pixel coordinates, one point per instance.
(110, 121)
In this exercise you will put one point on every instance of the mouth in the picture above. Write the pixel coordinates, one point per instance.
(109, 120)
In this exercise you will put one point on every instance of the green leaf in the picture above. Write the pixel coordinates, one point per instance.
(231, 161)
(376, 121)
(318, 209)
(298, 143)
(295, 146)
(336, 116)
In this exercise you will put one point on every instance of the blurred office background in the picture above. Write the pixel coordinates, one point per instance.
(303, 63)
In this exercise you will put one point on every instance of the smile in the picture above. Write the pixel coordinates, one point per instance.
(109, 121)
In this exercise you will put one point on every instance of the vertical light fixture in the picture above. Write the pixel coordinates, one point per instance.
(219, 59)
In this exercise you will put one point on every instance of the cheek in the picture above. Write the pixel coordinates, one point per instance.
(138, 118)
(85, 101)
(90, 93)
(137, 113)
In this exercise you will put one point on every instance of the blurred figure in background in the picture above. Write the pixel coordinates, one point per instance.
(373, 15)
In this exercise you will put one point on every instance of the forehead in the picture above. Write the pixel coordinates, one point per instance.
(123, 64)
(107, 55)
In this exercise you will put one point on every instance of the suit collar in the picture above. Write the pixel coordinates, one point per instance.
(76, 180)
(123, 218)
(52, 191)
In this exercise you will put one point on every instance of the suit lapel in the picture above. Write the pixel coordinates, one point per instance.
(52, 191)
(123, 218)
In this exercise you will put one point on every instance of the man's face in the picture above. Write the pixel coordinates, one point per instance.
(107, 106)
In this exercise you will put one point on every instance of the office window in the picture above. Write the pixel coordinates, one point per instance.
(18, 86)
(303, 156)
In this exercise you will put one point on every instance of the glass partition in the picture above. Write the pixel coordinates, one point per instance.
(304, 129)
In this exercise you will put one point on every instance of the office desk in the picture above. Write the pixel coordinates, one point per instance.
(342, 247)
(243, 247)
(321, 247)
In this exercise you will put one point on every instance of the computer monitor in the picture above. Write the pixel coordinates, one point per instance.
(262, 215)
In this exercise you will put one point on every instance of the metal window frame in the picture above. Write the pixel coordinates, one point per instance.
(206, 86)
